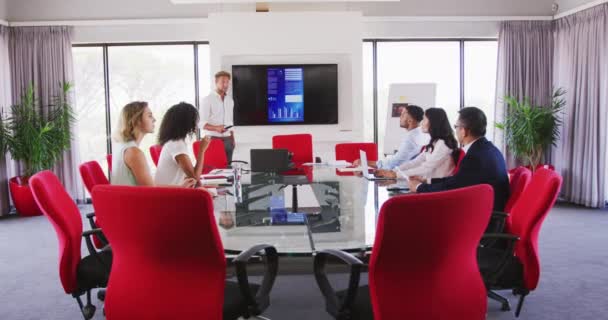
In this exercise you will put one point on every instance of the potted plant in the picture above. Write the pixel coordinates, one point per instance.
(530, 130)
(36, 140)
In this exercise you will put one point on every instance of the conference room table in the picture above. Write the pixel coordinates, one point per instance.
(339, 211)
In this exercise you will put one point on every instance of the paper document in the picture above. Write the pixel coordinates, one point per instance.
(213, 181)
(356, 169)
(224, 172)
(335, 163)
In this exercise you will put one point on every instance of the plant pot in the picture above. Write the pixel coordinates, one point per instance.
(23, 198)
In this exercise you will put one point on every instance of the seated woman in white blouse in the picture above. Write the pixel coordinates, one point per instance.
(438, 158)
(174, 163)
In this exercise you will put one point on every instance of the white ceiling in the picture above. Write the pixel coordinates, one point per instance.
(37, 10)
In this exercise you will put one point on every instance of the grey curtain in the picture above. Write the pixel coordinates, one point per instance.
(525, 62)
(5, 101)
(42, 56)
(581, 67)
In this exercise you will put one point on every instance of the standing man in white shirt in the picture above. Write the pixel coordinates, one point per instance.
(217, 113)
(412, 143)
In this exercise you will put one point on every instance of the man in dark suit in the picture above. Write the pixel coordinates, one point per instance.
(482, 164)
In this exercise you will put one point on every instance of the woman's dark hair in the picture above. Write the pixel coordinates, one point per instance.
(178, 123)
(440, 129)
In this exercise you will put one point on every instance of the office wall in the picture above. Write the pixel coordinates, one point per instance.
(565, 5)
(29, 10)
(3, 10)
(322, 44)
(250, 38)
(430, 29)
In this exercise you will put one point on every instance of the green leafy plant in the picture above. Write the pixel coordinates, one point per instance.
(530, 130)
(35, 138)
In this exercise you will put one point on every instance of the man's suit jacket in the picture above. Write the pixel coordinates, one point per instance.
(483, 164)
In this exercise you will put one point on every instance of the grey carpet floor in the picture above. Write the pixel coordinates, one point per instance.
(574, 279)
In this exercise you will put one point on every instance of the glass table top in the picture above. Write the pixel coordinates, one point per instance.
(309, 210)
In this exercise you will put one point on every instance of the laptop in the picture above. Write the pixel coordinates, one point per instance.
(365, 168)
(270, 160)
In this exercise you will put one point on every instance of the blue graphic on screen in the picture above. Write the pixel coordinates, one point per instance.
(285, 94)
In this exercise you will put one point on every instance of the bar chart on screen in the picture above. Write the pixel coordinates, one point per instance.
(285, 94)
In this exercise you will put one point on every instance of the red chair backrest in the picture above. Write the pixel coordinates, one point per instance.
(422, 267)
(350, 151)
(528, 215)
(461, 155)
(538, 166)
(215, 155)
(298, 144)
(520, 178)
(109, 160)
(92, 175)
(165, 239)
(155, 153)
(60, 209)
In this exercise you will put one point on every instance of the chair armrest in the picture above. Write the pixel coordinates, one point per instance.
(497, 222)
(333, 305)
(101, 237)
(261, 301)
(91, 218)
(87, 237)
(496, 271)
(495, 225)
(505, 236)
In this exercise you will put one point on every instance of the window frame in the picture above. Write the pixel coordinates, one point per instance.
(106, 74)
(462, 83)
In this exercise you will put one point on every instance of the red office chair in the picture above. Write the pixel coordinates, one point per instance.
(517, 266)
(92, 175)
(298, 144)
(109, 160)
(173, 259)
(460, 157)
(155, 153)
(538, 166)
(421, 267)
(519, 181)
(215, 156)
(350, 151)
(78, 275)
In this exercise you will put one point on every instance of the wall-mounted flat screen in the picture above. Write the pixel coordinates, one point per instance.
(285, 94)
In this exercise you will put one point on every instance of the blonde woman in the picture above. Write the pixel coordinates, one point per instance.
(129, 165)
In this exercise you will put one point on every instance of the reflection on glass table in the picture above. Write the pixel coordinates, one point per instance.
(300, 214)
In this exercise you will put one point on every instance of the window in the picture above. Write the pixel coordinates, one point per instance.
(463, 70)
(161, 74)
(90, 104)
(368, 91)
(204, 75)
(419, 62)
(480, 78)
